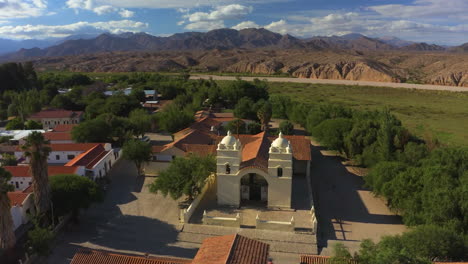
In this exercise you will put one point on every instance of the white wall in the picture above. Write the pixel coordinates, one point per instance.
(52, 159)
(22, 182)
(49, 123)
(19, 212)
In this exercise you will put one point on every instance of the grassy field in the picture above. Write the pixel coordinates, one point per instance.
(443, 115)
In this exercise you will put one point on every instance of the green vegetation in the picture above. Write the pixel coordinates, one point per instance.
(137, 151)
(437, 114)
(185, 176)
(70, 193)
(40, 240)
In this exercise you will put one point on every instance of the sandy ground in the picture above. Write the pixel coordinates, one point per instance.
(347, 212)
(342, 82)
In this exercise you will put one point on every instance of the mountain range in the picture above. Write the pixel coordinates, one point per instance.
(348, 57)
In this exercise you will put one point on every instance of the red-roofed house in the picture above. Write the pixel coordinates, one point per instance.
(96, 158)
(230, 249)
(64, 127)
(21, 205)
(58, 137)
(53, 117)
(22, 178)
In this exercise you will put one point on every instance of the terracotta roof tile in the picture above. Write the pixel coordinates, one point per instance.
(56, 113)
(89, 158)
(232, 249)
(68, 147)
(85, 256)
(55, 136)
(201, 150)
(64, 127)
(23, 171)
(314, 259)
(17, 198)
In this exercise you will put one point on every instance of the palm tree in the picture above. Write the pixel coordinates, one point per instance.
(35, 148)
(264, 114)
(7, 234)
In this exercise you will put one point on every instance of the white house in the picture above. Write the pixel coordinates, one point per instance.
(53, 117)
(22, 205)
(22, 177)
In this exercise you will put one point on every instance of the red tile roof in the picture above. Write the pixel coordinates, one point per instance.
(56, 136)
(56, 113)
(23, 171)
(89, 158)
(232, 249)
(17, 198)
(201, 150)
(314, 259)
(64, 127)
(85, 256)
(69, 147)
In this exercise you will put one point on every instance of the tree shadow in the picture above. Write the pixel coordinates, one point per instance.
(337, 199)
(104, 226)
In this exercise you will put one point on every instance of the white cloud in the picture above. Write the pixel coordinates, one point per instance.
(91, 5)
(215, 18)
(22, 8)
(279, 26)
(46, 31)
(205, 25)
(180, 3)
(126, 13)
(431, 9)
(246, 24)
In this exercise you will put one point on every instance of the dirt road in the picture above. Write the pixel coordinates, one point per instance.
(341, 82)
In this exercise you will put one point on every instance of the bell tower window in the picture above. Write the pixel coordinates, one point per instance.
(279, 171)
(228, 169)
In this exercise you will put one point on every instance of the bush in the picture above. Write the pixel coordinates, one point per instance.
(286, 127)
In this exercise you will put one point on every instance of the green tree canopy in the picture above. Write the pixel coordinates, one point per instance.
(286, 127)
(70, 193)
(141, 121)
(185, 176)
(138, 152)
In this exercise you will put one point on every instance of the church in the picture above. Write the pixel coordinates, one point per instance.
(259, 168)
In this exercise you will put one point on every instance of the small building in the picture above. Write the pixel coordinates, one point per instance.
(58, 137)
(22, 177)
(22, 205)
(53, 117)
(230, 249)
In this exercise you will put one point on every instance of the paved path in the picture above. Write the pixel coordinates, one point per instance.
(130, 220)
(342, 82)
(347, 212)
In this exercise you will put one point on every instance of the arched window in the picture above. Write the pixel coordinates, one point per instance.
(228, 169)
(280, 171)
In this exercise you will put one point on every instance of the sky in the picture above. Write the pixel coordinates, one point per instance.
(434, 21)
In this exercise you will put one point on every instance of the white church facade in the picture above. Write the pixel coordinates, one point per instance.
(260, 169)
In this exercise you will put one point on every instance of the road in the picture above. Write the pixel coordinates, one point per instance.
(340, 82)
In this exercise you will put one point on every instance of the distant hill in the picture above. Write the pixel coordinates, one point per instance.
(394, 41)
(423, 47)
(461, 48)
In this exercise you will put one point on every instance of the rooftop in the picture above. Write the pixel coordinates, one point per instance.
(17, 198)
(55, 136)
(69, 147)
(56, 113)
(90, 157)
(232, 249)
(19, 134)
(24, 171)
(86, 256)
(64, 127)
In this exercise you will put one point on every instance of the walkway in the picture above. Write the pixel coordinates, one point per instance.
(340, 82)
(346, 211)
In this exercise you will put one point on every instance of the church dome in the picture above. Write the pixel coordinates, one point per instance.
(280, 142)
(229, 140)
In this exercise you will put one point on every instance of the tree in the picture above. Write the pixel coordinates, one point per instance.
(341, 254)
(31, 124)
(331, 132)
(237, 126)
(40, 239)
(141, 121)
(254, 128)
(9, 160)
(185, 176)
(137, 151)
(95, 130)
(245, 109)
(70, 193)
(280, 105)
(173, 119)
(264, 115)
(287, 127)
(139, 94)
(15, 124)
(36, 150)
(7, 234)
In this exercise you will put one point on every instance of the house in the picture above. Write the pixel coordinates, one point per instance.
(96, 158)
(22, 205)
(64, 127)
(58, 137)
(315, 259)
(53, 117)
(230, 249)
(260, 168)
(22, 177)
(18, 136)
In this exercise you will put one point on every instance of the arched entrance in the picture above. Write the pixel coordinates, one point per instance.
(254, 188)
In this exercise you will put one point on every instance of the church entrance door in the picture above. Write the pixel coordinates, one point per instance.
(254, 188)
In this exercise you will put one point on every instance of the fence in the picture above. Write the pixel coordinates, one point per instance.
(275, 225)
(186, 214)
(222, 221)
